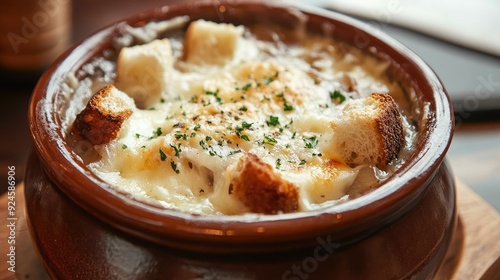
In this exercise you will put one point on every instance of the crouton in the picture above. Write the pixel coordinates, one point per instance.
(142, 71)
(102, 118)
(210, 43)
(260, 189)
(370, 131)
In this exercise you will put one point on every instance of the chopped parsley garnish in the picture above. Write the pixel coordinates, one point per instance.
(244, 137)
(196, 127)
(163, 156)
(203, 145)
(174, 167)
(246, 125)
(157, 132)
(311, 142)
(243, 108)
(162, 100)
(245, 87)
(137, 135)
(267, 80)
(124, 146)
(273, 121)
(286, 106)
(234, 152)
(278, 163)
(214, 94)
(176, 149)
(269, 140)
(337, 96)
(302, 162)
(293, 135)
(179, 136)
(208, 138)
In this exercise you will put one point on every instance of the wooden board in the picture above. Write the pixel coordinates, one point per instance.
(473, 255)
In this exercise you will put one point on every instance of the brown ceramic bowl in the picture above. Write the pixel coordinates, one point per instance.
(66, 202)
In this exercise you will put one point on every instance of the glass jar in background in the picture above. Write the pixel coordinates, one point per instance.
(32, 34)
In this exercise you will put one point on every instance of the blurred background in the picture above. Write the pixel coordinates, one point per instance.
(460, 41)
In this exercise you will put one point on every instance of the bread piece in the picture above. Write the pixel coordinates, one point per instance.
(260, 189)
(370, 131)
(210, 43)
(142, 71)
(102, 118)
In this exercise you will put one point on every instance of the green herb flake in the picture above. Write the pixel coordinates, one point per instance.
(245, 137)
(137, 135)
(234, 152)
(196, 127)
(278, 163)
(311, 142)
(174, 167)
(243, 108)
(157, 132)
(246, 87)
(273, 121)
(214, 94)
(286, 106)
(203, 145)
(246, 125)
(302, 162)
(163, 156)
(176, 149)
(337, 96)
(124, 146)
(180, 136)
(269, 140)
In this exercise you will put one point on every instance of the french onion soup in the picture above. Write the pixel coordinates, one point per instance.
(227, 120)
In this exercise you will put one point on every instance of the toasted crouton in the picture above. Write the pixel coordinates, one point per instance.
(370, 132)
(142, 71)
(102, 118)
(210, 43)
(262, 190)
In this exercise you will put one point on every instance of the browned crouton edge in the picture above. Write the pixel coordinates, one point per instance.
(99, 124)
(262, 190)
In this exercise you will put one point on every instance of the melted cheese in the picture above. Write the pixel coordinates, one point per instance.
(269, 100)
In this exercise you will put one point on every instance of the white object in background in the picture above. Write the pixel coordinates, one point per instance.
(472, 24)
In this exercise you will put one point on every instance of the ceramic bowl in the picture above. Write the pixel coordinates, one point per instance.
(60, 184)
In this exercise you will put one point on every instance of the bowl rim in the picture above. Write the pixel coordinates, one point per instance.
(65, 169)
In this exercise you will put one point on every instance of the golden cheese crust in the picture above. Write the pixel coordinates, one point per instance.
(262, 190)
(102, 118)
